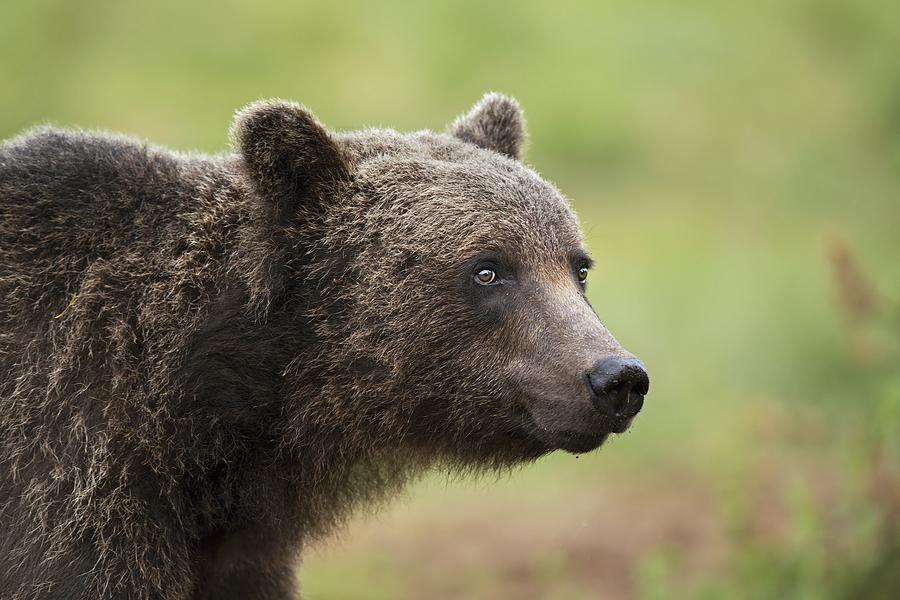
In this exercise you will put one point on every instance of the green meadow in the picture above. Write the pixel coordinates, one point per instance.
(736, 167)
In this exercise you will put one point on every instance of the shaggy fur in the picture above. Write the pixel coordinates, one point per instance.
(205, 362)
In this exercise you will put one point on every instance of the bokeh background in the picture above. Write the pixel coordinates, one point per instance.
(737, 169)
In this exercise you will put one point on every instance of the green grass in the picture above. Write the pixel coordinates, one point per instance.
(716, 152)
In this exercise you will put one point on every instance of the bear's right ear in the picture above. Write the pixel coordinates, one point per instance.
(291, 158)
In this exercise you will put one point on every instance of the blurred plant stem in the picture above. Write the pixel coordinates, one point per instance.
(873, 330)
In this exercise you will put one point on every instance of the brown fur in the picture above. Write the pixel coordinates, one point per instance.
(205, 362)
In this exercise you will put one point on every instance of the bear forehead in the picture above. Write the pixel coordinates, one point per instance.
(470, 192)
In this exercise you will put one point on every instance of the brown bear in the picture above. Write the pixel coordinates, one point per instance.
(206, 361)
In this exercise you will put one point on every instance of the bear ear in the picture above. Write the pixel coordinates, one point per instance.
(495, 123)
(291, 158)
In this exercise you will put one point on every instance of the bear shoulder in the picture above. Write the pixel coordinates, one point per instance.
(57, 185)
(61, 166)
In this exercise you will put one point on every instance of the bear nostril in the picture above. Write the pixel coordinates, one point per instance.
(618, 386)
(641, 384)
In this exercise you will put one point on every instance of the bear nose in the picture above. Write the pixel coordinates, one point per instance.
(618, 386)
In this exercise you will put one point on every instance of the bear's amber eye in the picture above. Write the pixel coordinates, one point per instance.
(486, 276)
(582, 274)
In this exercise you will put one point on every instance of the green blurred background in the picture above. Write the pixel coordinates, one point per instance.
(737, 170)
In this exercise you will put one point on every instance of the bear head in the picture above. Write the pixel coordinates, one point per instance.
(443, 283)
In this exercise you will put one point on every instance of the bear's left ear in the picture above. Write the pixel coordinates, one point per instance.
(291, 158)
(495, 123)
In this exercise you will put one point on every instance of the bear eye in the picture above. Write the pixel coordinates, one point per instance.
(582, 275)
(486, 276)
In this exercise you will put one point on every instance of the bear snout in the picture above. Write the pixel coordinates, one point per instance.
(618, 386)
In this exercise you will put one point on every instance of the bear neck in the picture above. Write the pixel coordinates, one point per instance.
(268, 366)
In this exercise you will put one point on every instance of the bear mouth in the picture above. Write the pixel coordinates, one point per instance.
(580, 441)
(573, 426)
